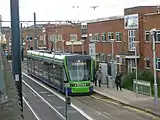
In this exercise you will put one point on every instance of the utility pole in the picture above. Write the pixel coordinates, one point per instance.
(136, 43)
(22, 42)
(112, 62)
(35, 36)
(154, 36)
(16, 60)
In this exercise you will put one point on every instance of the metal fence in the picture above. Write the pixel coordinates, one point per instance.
(144, 87)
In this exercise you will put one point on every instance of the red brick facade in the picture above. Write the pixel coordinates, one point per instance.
(148, 18)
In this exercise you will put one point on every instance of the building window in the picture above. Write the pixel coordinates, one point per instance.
(147, 34)
(73, 37)
(103, 57)
(158, 64)
(96, 37)
(131, 39)
(118, 36)
(147, 64)
(104, 37)
(158, 36)
(41, 37)
(110, 36)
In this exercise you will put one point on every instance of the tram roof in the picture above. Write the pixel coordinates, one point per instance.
(57, 55)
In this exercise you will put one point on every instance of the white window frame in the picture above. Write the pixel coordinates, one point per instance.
(110, 34)
(147, 33)
(157, 62)
(147, 67)
(103, 57)
(119, 36)
(104, 37)
(73, 36)
(131, 39)
(41, 38)
(158, 34)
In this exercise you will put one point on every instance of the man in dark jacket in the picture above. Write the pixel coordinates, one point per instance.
(118, 81)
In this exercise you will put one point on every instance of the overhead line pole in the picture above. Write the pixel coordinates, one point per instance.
(16, 60)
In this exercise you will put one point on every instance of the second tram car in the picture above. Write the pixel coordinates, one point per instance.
(61, 69)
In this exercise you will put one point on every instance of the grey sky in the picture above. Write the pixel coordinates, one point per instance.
(63, 10)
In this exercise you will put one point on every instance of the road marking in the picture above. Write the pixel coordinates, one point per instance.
(60, 107)
(75, 107)
(43, 92)
(32, 92)
(44, 100)
(31, 109)
(50, 95)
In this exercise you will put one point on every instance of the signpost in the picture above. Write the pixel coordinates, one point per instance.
(67, 101)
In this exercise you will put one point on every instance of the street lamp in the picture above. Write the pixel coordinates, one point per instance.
(112, 60)
(135, 49)
(72, 41)
(62, 45)
(82, 46)
(153, 33)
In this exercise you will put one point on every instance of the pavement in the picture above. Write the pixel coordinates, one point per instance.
(142, 102)
(10, 110)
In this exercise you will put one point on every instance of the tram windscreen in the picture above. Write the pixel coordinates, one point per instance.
(79, 70)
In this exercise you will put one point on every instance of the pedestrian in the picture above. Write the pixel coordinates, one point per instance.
(118, 81)
(99, 76)
(94, 78)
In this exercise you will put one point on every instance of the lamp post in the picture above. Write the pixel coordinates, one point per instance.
(135, 49)
(72, 41)
(62, 45)
(112, 60)
(82, 46)
(153, 33)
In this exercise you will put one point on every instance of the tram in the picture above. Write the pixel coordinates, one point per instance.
(62, 69)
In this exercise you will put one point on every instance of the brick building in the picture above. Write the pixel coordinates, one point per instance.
(102, 31)
(67, 36)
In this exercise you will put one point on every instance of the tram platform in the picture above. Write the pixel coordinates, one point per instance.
(129, 98)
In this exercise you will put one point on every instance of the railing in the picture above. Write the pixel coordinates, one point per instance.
(10, 108)
(144, 87)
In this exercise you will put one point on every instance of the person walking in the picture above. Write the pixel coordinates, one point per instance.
(118, 81)
(99, 76)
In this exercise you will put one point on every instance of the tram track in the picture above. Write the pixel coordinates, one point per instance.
(102, 103)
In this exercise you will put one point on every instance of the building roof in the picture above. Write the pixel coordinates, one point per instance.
(104, 19)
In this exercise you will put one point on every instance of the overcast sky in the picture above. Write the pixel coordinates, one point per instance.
(63, 9)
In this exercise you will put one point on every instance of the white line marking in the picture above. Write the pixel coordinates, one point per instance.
(32, 92)
(44, 100)
(42, 85)
(43, 92)
(31, 109)
(50, 95)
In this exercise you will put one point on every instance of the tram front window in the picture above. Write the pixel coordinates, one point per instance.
(79, 70)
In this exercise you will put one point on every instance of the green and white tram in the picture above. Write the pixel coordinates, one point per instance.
(62, 69)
